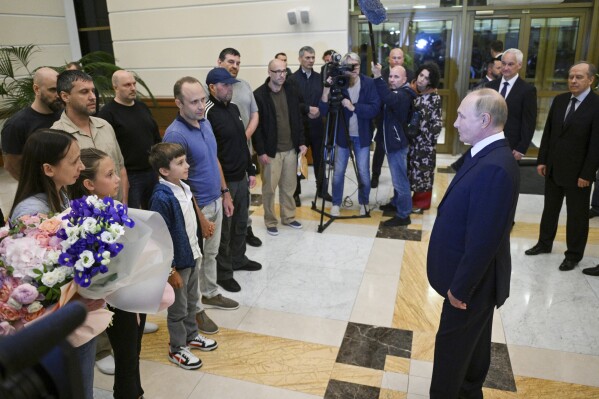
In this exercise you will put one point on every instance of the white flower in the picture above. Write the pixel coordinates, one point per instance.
(61, 273)
(35, 307)
(116, 229)
(107, 237)
(13, 303)
(23, 255)
(106, 255)
(52, 257)
(89, 225)
(86, 260)
(71, 230)
(50, 279)
(105, 261)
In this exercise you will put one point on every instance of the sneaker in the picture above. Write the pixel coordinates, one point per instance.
(185, 359)
(295, 224)
(335, 210)
(202, 343)
(106, 365)
(251, 239)
(219, 302)
(150, 328)
(205, 323)
(364, 210)
(396, 221)
(273, 231)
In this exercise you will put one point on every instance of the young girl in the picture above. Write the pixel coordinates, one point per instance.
(100, 178)
(51, 162)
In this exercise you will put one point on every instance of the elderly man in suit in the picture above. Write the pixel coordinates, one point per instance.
(568, 160)
(521, 99)
(469, 260)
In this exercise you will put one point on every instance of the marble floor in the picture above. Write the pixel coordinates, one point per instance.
(348, 313)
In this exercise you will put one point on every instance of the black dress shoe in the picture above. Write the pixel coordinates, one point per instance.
(593, 213)
(388, 207)
(229, 285)
(397, 221)
(251, 266)
(537, 249)
(591, 271)
(374, 182)
(327, 196)
(298, 202)
(567, 265)
(251, 239)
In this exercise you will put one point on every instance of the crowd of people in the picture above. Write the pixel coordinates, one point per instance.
(198, 176)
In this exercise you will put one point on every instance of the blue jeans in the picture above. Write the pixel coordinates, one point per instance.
(141, 185)
(398, 165)
(87, 361)
(362, 156)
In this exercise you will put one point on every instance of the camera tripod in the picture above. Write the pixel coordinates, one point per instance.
(327, 163)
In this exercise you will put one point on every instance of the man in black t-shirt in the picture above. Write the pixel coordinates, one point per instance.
(43, 112)
(136, 131)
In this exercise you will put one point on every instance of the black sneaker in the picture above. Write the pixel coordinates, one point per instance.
(229, 285)
(251, 239)
(397, 221)
(251, 266)
(388, 207)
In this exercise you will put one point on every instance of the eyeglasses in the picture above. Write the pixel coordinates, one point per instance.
(283, 72)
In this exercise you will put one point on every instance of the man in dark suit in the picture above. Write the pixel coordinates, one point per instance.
(521, 99)
(568, 159)
(468, 259)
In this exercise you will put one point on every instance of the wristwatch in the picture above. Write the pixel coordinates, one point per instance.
(224, 190)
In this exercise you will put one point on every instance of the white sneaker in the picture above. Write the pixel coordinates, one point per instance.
(185, 359)
(150, 328)
(363, 210)
(335, 210)
(106, 365)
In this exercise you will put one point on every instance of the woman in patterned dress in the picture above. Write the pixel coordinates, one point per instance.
(422, 153)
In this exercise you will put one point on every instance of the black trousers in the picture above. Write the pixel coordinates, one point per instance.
(577, 224)
(125, 337)
(378, 158)
(462, 353)
(315, 143)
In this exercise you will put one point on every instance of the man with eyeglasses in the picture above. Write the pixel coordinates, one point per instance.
(277, 140)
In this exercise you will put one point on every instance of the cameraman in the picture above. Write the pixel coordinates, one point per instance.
(397, 98)
(360, 105)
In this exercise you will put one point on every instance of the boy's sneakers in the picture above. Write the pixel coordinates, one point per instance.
(185, 359)
(202, 343)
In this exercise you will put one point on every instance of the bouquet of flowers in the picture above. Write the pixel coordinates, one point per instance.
(40, 255)
(30, 276)
(90, 233)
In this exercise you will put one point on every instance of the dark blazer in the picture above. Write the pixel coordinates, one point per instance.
(571, 151)
(469, 248)
(521, 113)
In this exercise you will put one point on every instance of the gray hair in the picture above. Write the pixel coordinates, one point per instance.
(306, 49)
(350, 56)
(490, 102)
(65, 80)
(517, 53)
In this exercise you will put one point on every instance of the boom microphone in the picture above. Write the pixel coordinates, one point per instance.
(373, 10)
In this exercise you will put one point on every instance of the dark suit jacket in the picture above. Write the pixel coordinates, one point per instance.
(521, 113)
(469, 248)
(571, 151)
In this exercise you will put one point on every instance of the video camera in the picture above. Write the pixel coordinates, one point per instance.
(337, 72)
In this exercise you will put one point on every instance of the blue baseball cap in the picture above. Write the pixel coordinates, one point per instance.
(220, 75)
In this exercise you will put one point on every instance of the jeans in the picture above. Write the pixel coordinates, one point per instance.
(398, 165)
(141, 185)
(362, 156)
(87, 356)
(231, 253)
(214, 213)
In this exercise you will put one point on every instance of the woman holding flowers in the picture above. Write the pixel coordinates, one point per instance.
(51, 162)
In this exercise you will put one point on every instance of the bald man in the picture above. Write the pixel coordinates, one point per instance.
(136, 131)
(43, 112)
(396, 58)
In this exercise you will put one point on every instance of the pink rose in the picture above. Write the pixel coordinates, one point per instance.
(54, 242)
(30, 219)
(6, 328)
(8, 313)
(50, 225)
(8, 285)
(25, 294)
(42, 239)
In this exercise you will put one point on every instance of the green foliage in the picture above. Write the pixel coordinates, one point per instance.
(16, 77)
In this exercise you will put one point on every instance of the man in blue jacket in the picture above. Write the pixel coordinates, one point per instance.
(360, 105)
(468, 260)
(397, 98)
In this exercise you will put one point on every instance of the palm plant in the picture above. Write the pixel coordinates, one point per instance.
(16, 77)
